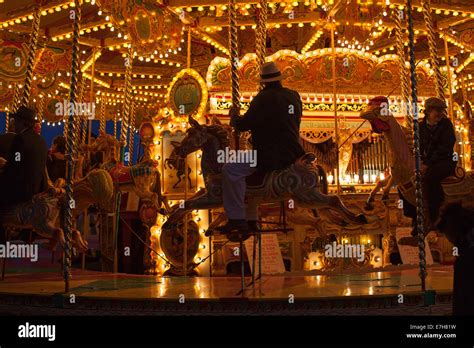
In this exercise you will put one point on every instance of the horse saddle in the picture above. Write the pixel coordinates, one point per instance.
(120, 174)
(258, 178)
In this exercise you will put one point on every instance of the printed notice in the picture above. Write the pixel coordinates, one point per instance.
(409, 254)
(272, 260)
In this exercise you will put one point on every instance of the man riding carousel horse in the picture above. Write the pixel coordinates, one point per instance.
(24, 173)
(274, 118)
(437, 139)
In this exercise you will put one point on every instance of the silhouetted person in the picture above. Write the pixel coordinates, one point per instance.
(457, 223)
(437, 139)
(24, 174)
(56, 162)
(7, 139)
(274, 118)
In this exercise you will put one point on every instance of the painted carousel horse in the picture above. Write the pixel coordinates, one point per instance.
(303, 181)
(178, 163)
(459, 188)
(142, 178)
(41, 214)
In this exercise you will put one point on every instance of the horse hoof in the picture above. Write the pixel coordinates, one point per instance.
(209, 233)
(361, 219)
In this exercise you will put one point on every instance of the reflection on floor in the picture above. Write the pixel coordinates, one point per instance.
(40, 291)
(107, 285)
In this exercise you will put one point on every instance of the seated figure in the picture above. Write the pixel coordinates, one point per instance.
(273, 118)
(24, 173)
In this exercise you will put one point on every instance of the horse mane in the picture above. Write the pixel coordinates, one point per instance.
(220, 132)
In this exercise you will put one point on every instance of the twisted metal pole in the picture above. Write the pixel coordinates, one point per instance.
(127, 101)
(261, 36)
(234, 61)
(25, 93)
(82, 129)
(12, 107)
(71, 146)
(433, 49)
(40, 114)
(7, 120)
(416, 138)
(102, 114)
(115, 125)
(404, 85)
(131, 135)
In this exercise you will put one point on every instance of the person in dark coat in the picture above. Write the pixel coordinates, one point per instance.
(437, 139)
(24, 174)
(274, 118)
(7, 139)
(56, 162)
(457, 223)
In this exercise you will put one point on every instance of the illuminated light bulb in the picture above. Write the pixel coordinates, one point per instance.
(330, 179)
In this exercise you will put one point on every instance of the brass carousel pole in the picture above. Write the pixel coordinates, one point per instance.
(24, 94)
(234, 61)
(11, 108)
(185, 231)
(16, 97)
(234, 71)
(40, 114)
(433, 49)
(416, 138)
(450, 86)
(261, 48)
(82, 129)
(261, 35)
(127, 102)
(71, 146)
(102, 114)
(334, 92)
(123, 141)
(404, 84)
(91, 100)
(115, 125)
(131, 135)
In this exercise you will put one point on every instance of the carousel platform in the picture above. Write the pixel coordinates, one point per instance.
(99, 293)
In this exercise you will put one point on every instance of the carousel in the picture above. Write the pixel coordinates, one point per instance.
(141, 92)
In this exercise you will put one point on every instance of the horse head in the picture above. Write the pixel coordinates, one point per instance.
(379, 118)
(203, 137)
(108, 144)
(383, 122)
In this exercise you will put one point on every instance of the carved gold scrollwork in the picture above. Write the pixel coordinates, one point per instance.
(316, 136)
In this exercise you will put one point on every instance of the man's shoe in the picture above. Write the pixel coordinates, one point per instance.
(253, 226)
(235, 230)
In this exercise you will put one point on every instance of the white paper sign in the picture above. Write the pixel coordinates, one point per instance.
(272, 260)
(409, 254)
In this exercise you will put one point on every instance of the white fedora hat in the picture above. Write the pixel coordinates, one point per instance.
(270, 72)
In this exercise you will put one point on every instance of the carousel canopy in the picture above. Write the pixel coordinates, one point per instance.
(157, 32)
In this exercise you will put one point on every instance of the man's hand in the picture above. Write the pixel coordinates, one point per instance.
(234, 114)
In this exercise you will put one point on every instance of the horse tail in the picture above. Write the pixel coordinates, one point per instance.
(324, 179)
